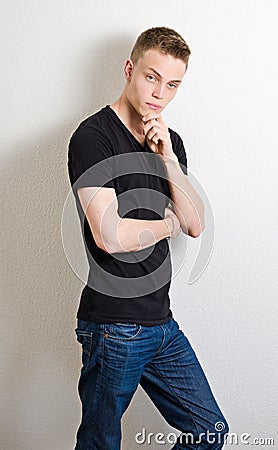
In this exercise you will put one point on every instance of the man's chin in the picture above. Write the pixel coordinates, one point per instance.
(144, 109)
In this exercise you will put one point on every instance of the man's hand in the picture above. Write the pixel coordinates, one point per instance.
(157, 135)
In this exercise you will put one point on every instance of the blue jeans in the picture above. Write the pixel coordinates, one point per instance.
(118, 357)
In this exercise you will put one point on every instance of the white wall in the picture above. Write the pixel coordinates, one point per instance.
(61, 61)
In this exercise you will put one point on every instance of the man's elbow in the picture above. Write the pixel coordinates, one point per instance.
(111, 245)
(195, 230)
(105, 244)
(199, 226)
(111, 239)
(198, 229)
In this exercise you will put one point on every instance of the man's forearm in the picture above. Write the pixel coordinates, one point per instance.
(135, 234)
(188, 205)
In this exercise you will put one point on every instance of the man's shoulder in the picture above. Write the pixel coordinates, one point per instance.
(177, 141)
(179, 149)
(174, 135)
(90, 141)
(93, 130)
(97, 121)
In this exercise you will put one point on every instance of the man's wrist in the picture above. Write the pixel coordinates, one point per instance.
(170, 157)
(170, 225)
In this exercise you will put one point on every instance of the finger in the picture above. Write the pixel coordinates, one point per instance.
(151, 116)
(154, 138)
(152, 130)
(147, 127)
(151, 123)
(152, 133)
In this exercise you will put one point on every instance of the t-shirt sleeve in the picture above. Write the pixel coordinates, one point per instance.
(90, 159)
(179, 150)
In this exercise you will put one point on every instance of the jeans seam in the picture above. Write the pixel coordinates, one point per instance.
(103, 347)
(109, 336)
(173, 391)
(99, 393)
(163, 340)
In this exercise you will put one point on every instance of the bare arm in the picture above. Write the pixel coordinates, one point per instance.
(114, 234)
(190, 207)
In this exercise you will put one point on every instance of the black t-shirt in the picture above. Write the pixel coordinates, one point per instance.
(128, 286)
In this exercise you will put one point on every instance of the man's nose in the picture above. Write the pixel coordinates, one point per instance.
(158, 92)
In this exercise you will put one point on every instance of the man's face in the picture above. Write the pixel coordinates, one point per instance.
(153, 81)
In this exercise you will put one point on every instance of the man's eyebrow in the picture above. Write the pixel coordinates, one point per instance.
(158, 74)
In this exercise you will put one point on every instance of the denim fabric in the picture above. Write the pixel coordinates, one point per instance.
(117, 357)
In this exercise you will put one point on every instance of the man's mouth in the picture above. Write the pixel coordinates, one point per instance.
(154, 106)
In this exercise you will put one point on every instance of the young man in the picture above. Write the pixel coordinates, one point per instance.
(125, 165)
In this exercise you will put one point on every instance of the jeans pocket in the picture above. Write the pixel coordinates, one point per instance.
(85, 338)
(122, 331)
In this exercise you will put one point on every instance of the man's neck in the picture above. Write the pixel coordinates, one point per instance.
(129, 117)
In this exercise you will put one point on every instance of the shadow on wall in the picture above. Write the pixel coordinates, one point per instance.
(40, 355)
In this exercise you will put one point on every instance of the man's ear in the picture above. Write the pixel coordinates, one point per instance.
(129, 65)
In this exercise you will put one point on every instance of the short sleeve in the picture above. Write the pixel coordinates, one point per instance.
(90, 159)
(179, 150)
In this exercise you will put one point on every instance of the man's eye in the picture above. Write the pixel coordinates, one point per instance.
(172, 85)
(150, 77)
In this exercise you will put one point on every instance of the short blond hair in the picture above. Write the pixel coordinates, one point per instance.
(164, 39)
